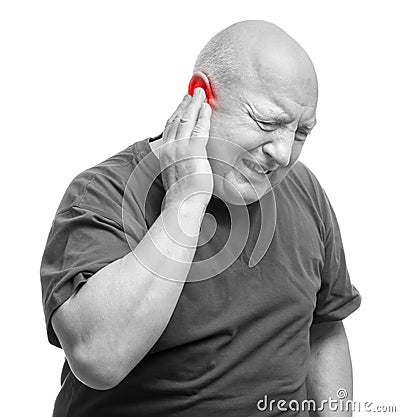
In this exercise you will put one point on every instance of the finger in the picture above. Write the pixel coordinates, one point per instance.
(201, 129)
(190, 116)
(173, 122)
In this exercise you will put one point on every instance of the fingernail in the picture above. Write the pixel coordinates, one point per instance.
(198, 91)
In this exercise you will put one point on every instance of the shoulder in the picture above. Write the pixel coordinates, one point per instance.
(301, 189)
(304, 181)
(302, 174)
(101, 188)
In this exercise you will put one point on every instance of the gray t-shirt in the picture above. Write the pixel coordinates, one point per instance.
(232, 339)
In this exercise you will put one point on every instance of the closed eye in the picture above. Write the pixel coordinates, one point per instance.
(267, 126)
(301, 135)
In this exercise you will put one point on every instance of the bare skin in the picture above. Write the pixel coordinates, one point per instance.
(330, 367)
(107, 327)
(269, 113)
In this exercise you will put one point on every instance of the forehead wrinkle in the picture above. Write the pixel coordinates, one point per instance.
(271, 110)
(276, 109)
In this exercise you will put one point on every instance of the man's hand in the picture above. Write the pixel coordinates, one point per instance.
(111, 323)
(186, 171)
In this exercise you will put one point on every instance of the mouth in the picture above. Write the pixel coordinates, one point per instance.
(255, 167)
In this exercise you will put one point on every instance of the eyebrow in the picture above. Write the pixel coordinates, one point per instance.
(283, 117)
(279, 115)
(309, 126)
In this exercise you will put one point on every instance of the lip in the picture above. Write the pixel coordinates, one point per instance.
(256, 167)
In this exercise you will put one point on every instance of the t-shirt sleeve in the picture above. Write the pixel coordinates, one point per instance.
(81, 242)
(337, 297)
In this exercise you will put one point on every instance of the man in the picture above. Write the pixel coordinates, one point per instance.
(145, 332)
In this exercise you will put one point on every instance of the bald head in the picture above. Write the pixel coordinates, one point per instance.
(255, 55)
(263, 92)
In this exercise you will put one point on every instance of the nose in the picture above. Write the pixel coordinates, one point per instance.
(280, 148)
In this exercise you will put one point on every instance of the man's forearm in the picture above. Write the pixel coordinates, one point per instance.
(330, 368)
(118, 315)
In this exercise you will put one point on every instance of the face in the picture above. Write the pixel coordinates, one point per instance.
(266, 124)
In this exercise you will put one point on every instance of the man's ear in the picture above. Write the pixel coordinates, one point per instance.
(199, 79)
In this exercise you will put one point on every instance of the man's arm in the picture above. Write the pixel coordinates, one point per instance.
(330, 367)
(109, 325)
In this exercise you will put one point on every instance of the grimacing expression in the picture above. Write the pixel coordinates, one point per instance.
(269, 118)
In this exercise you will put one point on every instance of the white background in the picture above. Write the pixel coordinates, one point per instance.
(82, 80)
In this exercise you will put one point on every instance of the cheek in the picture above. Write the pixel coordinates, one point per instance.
(221, 154)
(242, 137)
(230, 139)
(222, 144)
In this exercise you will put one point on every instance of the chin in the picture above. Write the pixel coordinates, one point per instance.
(238, 190)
